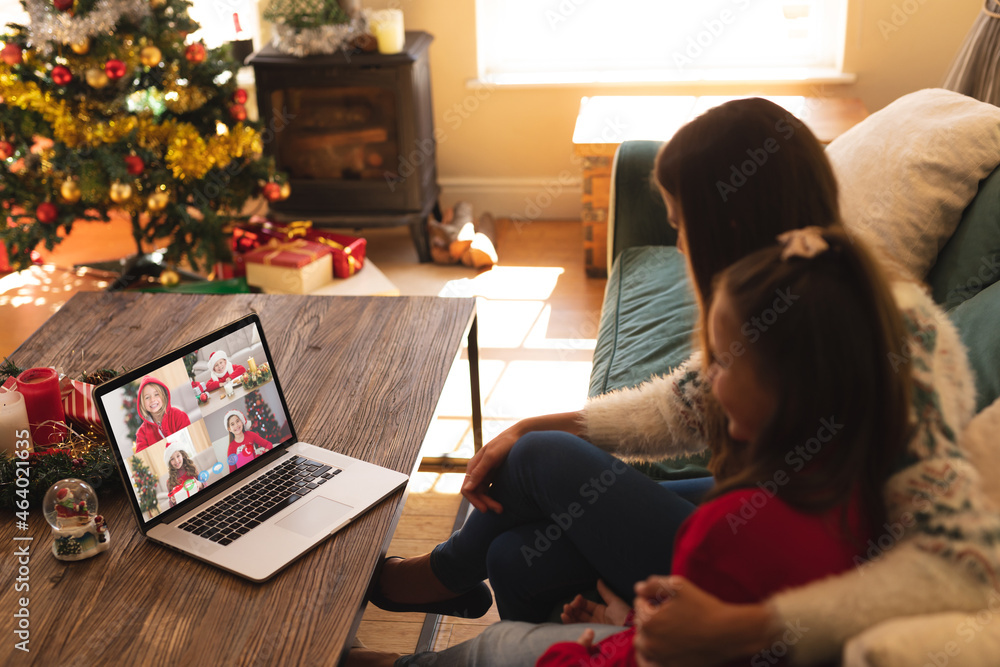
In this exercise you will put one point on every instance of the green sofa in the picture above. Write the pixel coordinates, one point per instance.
(649, 312)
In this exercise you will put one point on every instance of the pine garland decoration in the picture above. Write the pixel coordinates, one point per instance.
(85, 455)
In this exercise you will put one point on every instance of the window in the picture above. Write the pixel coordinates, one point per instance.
(217, 22)
(620, 41)
(215, 17)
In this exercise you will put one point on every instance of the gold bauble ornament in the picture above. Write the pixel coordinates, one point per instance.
(157, 201)
(96, 78)
(156, 4)
(150, 56)
(70, 192)
(285, 191)
(82, 47)
(120, 192)
(169, 277)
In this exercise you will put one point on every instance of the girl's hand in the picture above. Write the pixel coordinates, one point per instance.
(681, 625)
(586, 640)
(582, 610)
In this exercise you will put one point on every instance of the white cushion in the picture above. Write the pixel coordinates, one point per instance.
(908, 171)
(953, 639)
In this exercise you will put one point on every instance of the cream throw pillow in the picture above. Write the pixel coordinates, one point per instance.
(908, 171)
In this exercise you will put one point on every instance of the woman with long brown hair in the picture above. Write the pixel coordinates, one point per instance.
(733, 179)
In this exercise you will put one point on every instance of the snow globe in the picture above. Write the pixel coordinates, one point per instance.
(78, 531)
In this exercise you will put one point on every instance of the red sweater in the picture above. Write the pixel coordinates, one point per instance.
(214, 384)
(741, 547)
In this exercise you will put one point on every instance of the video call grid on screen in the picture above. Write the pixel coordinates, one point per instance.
(205, 443)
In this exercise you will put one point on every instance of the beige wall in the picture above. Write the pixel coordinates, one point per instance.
(502, 147)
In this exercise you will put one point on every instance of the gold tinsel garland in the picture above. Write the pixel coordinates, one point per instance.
(188, 155)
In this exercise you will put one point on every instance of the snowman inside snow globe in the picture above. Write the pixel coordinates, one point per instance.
(78, 531)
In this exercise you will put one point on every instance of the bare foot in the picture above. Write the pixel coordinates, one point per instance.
(362, 657)
(411, 581)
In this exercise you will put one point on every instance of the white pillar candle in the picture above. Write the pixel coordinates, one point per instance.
(387, 27)
(13, 422)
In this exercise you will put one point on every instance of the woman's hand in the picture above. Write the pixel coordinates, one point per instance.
(678, 624)
(483, 466)
(581, 610)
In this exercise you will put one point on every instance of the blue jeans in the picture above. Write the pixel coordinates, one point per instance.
(572, 513)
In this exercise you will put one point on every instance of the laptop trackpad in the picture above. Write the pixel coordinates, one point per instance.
(314, 515)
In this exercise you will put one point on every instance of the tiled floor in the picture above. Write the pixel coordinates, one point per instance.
(538, 316)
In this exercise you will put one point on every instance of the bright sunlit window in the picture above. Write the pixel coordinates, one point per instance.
(218, 20)
(215, 17)
(616, 41)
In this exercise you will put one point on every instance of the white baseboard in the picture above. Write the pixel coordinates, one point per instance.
(556, 198)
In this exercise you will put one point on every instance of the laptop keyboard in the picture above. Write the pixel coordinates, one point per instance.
(235, 515)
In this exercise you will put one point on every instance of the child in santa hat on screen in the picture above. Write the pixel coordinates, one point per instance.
(181, 470)
(244, 444)
(222, 369)
(159, 417)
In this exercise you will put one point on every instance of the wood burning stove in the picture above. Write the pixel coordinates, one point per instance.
(355, 133)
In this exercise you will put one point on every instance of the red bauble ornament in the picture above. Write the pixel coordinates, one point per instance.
(134, 165)
(12, 54)
(195, 53)
(115, 69)
(46, 213)
(272, 192)
(238, 112)
(61, 75)
(62, 5)
(240, 96)
(204, 397)
(6, 150)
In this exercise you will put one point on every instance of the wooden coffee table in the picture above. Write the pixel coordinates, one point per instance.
(362, 376)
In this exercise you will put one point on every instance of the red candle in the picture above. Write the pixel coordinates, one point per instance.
(40, 388)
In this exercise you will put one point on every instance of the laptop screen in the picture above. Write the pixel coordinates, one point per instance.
(184, 422)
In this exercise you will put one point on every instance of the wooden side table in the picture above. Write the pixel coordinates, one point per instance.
(605, 122)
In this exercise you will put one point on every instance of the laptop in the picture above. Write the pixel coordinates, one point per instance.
(211, 463)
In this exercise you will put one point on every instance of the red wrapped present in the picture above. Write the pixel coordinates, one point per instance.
(348, 251)
(78, 402)
(290, 267)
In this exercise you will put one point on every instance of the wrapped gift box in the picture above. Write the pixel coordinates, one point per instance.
(348, 251)
(290, 267)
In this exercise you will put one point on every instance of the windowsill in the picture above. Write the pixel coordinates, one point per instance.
(670, 79)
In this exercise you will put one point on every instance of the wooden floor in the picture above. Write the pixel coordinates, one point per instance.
(538, 318)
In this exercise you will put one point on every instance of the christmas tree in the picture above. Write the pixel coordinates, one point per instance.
(130, 404)
(105, 108)
(145, 484)
(260, 415)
